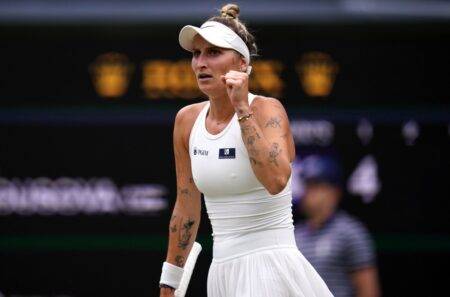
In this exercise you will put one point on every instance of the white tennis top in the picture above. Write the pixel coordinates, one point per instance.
(237, 203)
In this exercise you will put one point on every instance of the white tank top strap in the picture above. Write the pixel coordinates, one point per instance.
(251, 97)
(198, 123)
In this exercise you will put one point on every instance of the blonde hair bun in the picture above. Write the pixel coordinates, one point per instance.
(230, 11)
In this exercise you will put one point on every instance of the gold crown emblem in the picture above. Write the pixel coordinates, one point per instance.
(111, 74)
(317, 72)
(266, 78)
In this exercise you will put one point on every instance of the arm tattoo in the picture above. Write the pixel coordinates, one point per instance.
(274, 122)
(274, 152)
(248, 129)
(185, 234)
(250, 135)
(173, 228)
(185, 192)
(252, 138)
(179, 260)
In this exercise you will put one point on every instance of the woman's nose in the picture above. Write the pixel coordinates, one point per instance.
(200, 61)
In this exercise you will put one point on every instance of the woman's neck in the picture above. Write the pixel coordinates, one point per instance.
(220, 108)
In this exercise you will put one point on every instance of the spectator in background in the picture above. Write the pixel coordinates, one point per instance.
(336, 244)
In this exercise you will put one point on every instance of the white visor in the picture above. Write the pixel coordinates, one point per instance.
(215, 33)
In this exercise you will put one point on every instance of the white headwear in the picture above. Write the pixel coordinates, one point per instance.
(217, 34)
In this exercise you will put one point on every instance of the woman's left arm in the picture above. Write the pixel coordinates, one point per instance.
(269, 144)
(265, 132)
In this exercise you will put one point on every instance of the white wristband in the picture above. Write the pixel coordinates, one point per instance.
(171, 275)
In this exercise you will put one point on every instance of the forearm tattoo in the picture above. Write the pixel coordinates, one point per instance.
(251, 136)
(274, 153)
(185, 233)
(185, 192)
(173, 225)
(179, 260)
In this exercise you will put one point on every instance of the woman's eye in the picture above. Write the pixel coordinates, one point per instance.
(196, 53)
(214, 52)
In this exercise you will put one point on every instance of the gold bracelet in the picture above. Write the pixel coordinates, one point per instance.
(245, 117)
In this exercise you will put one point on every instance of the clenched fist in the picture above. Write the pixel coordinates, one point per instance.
(237, 89)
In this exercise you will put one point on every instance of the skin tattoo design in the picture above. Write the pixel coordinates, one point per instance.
(180, 260)
(274, 152)
(250, 136)
(274, 122)
(185, 234)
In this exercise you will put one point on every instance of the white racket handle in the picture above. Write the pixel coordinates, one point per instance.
(188, 269)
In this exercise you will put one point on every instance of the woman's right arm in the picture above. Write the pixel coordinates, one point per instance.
(186, 213)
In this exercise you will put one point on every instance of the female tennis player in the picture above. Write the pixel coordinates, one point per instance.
(236, 149)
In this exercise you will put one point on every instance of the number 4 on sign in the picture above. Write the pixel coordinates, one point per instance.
(364, 180)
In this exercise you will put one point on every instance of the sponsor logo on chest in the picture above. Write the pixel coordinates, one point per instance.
(227, 153)
(200, 152)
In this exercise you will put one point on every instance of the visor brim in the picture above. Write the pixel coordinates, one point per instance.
(188, 33)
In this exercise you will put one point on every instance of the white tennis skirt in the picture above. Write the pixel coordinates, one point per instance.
(268, 272)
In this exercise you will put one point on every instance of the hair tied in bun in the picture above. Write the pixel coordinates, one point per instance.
(230, 11)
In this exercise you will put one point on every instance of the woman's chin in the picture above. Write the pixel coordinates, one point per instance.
(213, 89)
(207, 89)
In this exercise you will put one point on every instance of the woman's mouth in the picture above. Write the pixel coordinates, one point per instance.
(204, 77)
